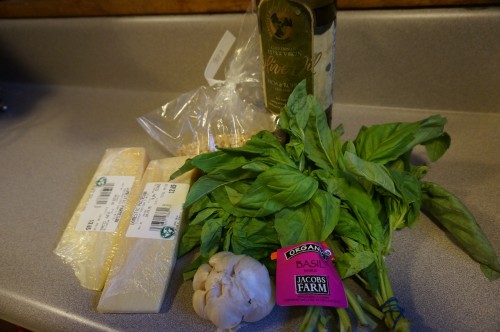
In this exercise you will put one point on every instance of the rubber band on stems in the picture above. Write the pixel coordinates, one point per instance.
(392, 306)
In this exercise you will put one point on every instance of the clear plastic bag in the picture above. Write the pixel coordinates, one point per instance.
(226, 113)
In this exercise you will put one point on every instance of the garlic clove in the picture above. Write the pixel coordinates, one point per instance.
(214, 281)
(253, 277)
(224, 310)
(200, 277)
(224, 261)
(199, 303)
(261, 307)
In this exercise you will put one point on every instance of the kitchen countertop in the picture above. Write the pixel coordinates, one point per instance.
(52, 137)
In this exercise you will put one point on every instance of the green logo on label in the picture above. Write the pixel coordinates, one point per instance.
(167, 232)
(101, 181)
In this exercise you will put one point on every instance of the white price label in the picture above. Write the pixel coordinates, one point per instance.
(158, 213)
(105, 205)
(218, 57)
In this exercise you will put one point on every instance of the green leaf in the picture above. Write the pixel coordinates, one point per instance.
(448, 211)
(293, 121)
(264, 148)
(279, 187)
(349, 227)
(211, 235)
(383, 143)
(374, 173)
(387, 142)
(358, 202)
(188, 166)
(254, 237)
(489, 273)
(429, 129)
(200, 205)
(351, 263)
(437, 147)
(419, 172)
(410, 198)
(322, 145)
(365, 211)
(208, 183)
(190, 239)
(256, 167)
(215, 161)
(201, 211)
(229, 195)
(296, 107)
(312, 221)
(201, 216)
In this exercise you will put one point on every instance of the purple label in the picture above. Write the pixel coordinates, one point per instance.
(305, 275)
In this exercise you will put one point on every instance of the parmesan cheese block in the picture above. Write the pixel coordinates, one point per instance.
(141, 270)
(91, 237)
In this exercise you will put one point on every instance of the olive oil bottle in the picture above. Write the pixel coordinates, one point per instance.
(297, 42)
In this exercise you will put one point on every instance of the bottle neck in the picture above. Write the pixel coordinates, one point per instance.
(325, 13)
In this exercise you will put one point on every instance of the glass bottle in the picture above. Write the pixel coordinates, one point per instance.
(297, 39)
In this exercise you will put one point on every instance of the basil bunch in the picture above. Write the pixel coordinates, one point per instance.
(353, 194)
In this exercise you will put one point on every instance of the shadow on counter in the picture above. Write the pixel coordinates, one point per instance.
(17, 99)
(8, 327)
(14, 73)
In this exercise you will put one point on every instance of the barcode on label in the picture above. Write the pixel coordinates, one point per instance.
(159, 218)
(105, 194)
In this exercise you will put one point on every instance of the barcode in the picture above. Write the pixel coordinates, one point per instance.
(159, 218)
(105, 194)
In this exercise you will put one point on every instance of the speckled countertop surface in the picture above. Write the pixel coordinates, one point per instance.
(53, 135)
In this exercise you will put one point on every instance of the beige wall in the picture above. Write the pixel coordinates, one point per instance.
(70, 8)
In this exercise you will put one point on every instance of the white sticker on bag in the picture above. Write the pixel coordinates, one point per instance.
(105, 205)
(158, 213)
(218, 57)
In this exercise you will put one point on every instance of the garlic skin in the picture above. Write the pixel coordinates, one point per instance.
(231, 289)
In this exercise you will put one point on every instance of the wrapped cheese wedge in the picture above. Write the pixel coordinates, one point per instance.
(91, 237)
(142, 267)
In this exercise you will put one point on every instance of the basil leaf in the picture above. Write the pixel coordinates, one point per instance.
(293, 120)
(313, 221)
(208, 183)
(229, 195)
(364, 210)
(351, 263)
(217, 161)
(437, 147)
(374, 173)
(387, 142)
(199, 212)
(295, 111)
(448, 211)
(190, 239)
(348, 227)
(383, 143)
(410, 198)
(254, 237)
(202, 216)
(279, 187)
(211, 235)
(322, 145)
(188, 166)
(263, 147)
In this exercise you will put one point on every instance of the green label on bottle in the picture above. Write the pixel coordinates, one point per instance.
(286, 32)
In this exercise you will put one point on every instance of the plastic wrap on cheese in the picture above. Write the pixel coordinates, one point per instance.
(91, 237)
(142, 267)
